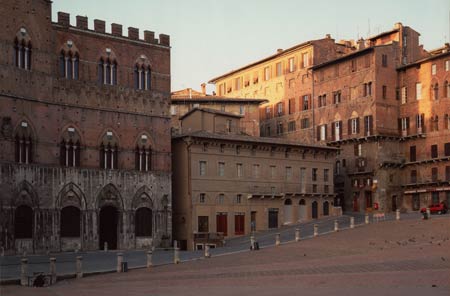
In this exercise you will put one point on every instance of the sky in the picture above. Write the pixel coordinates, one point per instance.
(211, 37)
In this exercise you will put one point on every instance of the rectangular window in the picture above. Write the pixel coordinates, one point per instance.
(323, 132)
(354, 123)
(353, 65)
(326, 189)
(202, 198)
(221, 169)
(305, 59)
(404, 93)
(337, 130)
(242, 110)
(434, 151)
(239, 171)
(266, 73)
(302, 180)
(418, 91)
(305, 123)
(325, 175)
(279, 69)
(291, 65)
(447, 173)
(273, 171)
(239, 198)
(337, 97)
(288, 173)
(256, 170)
(291, 126)
(357, 149)
(412, 153)
(238, 82)
(305, 105)
(384, 61)
(434, 174)
(384, 91)
(280, 109)
(314, 188)
(413, 176)
(291, 106)
(433, 69)
(368, 125)
(203, 225)
(314, 174)
(447, 149)
(279, 127)
(202, 168)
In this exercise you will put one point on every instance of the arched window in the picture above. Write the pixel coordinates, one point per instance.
(436, 92)
(70, 148)
(68, 65)
(109, 151)
(23, 222)
(143, 155)
(142, 77)
(288, 202)
(22, 51)
(302, 202)
(143, 222)
(70, 222)
(24, 144)
(107, 71)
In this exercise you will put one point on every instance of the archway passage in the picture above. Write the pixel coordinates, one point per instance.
(70, 222)
(108, 227)
(326, 208)
(287, 211)
(314, 210)
(23, 222)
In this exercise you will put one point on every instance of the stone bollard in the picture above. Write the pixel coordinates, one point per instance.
(352, 222)
(316, 230)
(53, 270)
(207, 254)
(336, 225)
(428, 214)
(176, 253)
(24, 272)
(297, 234)
(149, 259)
(367, 218)
(105, 246)
(79, 267)
(119, 262)
(277, 239)
(252, 242)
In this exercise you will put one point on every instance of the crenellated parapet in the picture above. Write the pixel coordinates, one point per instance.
(82, 23)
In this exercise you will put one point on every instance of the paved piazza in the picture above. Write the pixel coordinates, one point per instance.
(410, 257)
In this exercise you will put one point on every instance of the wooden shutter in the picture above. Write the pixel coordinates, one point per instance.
(318, 133)
(333, 130)
(357, 125)
(349, 127)
(340, 130)
(371, 124)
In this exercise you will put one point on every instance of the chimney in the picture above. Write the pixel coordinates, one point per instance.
(82, 22)
(99, 26)
(279, 50)
(203, 85)
(361, 44)
(63, 19)
(328, 36)
(116, 29)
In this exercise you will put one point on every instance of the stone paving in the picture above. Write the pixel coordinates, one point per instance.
(407, 257)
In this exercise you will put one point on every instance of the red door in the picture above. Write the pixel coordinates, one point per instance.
(239, 224)
(221, 221)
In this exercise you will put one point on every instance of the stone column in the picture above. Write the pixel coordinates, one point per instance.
(316, 230)
(149, 259)
(336, 225)
(24, 272)
(207, 253)
(119, 262)
(176, 253)
(297, 234)
(352, 222)
(53, 270)
(79, 267)
(366, 218)
(277, 239)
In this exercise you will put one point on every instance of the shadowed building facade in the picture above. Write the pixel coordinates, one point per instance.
(85, 133)
(226, 184)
